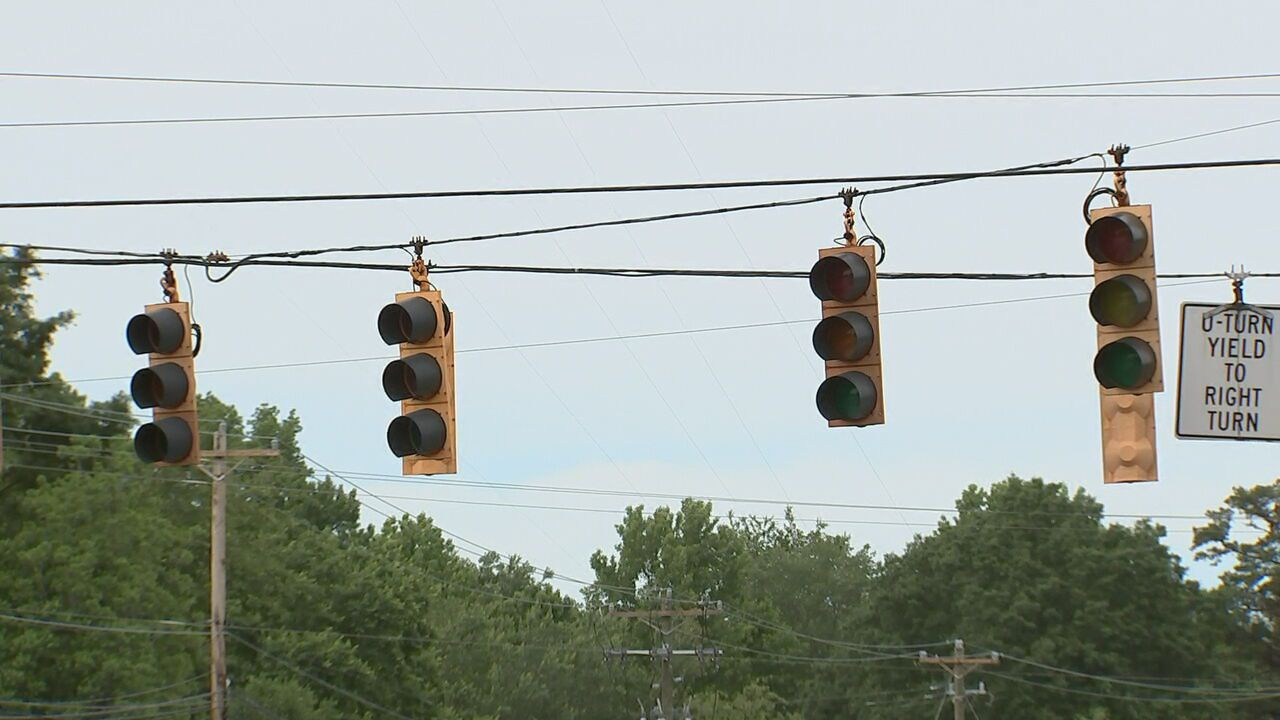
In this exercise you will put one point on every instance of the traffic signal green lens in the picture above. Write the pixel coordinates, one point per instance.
(847, 396)
(1128, 363)
(1122, 301)
(847, 337)
(843, 277)
(1118, 239)
(165, 440)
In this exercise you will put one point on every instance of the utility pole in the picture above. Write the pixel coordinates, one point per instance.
(218, 473)
(663, 622)
(958, 666)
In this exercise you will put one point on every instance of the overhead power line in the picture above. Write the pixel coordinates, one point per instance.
(619, 91)
(224, 119)
(1048, 169)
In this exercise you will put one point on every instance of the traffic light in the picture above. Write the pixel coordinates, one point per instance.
(1128, 438)
(1123, 301)
(167, 386)
(848, 336)
(421, 379)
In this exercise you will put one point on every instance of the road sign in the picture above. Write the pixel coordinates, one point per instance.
(1229, 374)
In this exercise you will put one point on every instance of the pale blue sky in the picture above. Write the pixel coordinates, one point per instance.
(970, 394)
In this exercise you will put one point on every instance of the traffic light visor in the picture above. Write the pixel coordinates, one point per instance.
(847, 396)
(847, 336)
(421, 432)
(410, 320)
(1118, 239)
(158, 331)
(1122, 301)
(843, 277)
(164, 385)
(1128, 363)
(417, 376)
(165, 440)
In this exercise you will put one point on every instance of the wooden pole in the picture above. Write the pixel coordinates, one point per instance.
(218, 580)
(218, 472)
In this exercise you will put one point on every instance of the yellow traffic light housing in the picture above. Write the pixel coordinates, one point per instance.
(1123, 301)
(423, 436)
(848, 336)
(167, 386)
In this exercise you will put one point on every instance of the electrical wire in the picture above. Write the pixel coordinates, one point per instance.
(914, 180)
(596, 107)
(1135, 698)
(311, 676)
(1116, 680)
(616, 91)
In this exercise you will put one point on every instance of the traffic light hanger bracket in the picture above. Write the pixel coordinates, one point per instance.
(850, 237)
(168, 281)
(1118, 152)
(418, 269)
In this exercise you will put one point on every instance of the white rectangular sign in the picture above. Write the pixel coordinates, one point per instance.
(1229, 374)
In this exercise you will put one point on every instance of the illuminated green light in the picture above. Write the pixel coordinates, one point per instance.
(848, 396)
(1127, 363)
(1122, 301)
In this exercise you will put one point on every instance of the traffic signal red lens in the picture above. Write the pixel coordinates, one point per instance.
(1127, 363)
(165, 440)
(158, 331)
(846, 337)
(843, 277)
(417, 376)
(421, 432)
(847, 396)
(410, 320)
(164, 385)
(1122, 301)
(1118, 239)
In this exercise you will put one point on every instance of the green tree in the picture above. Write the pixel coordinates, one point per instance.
(1032, 571)
(40, 413)
(1250, 586)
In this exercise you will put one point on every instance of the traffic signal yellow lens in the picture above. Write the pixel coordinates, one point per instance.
(847, 396)
(1122, 301)
(164, 385)
(843, 277)
(1128, 363)
(846, 337)
(1118, 239)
